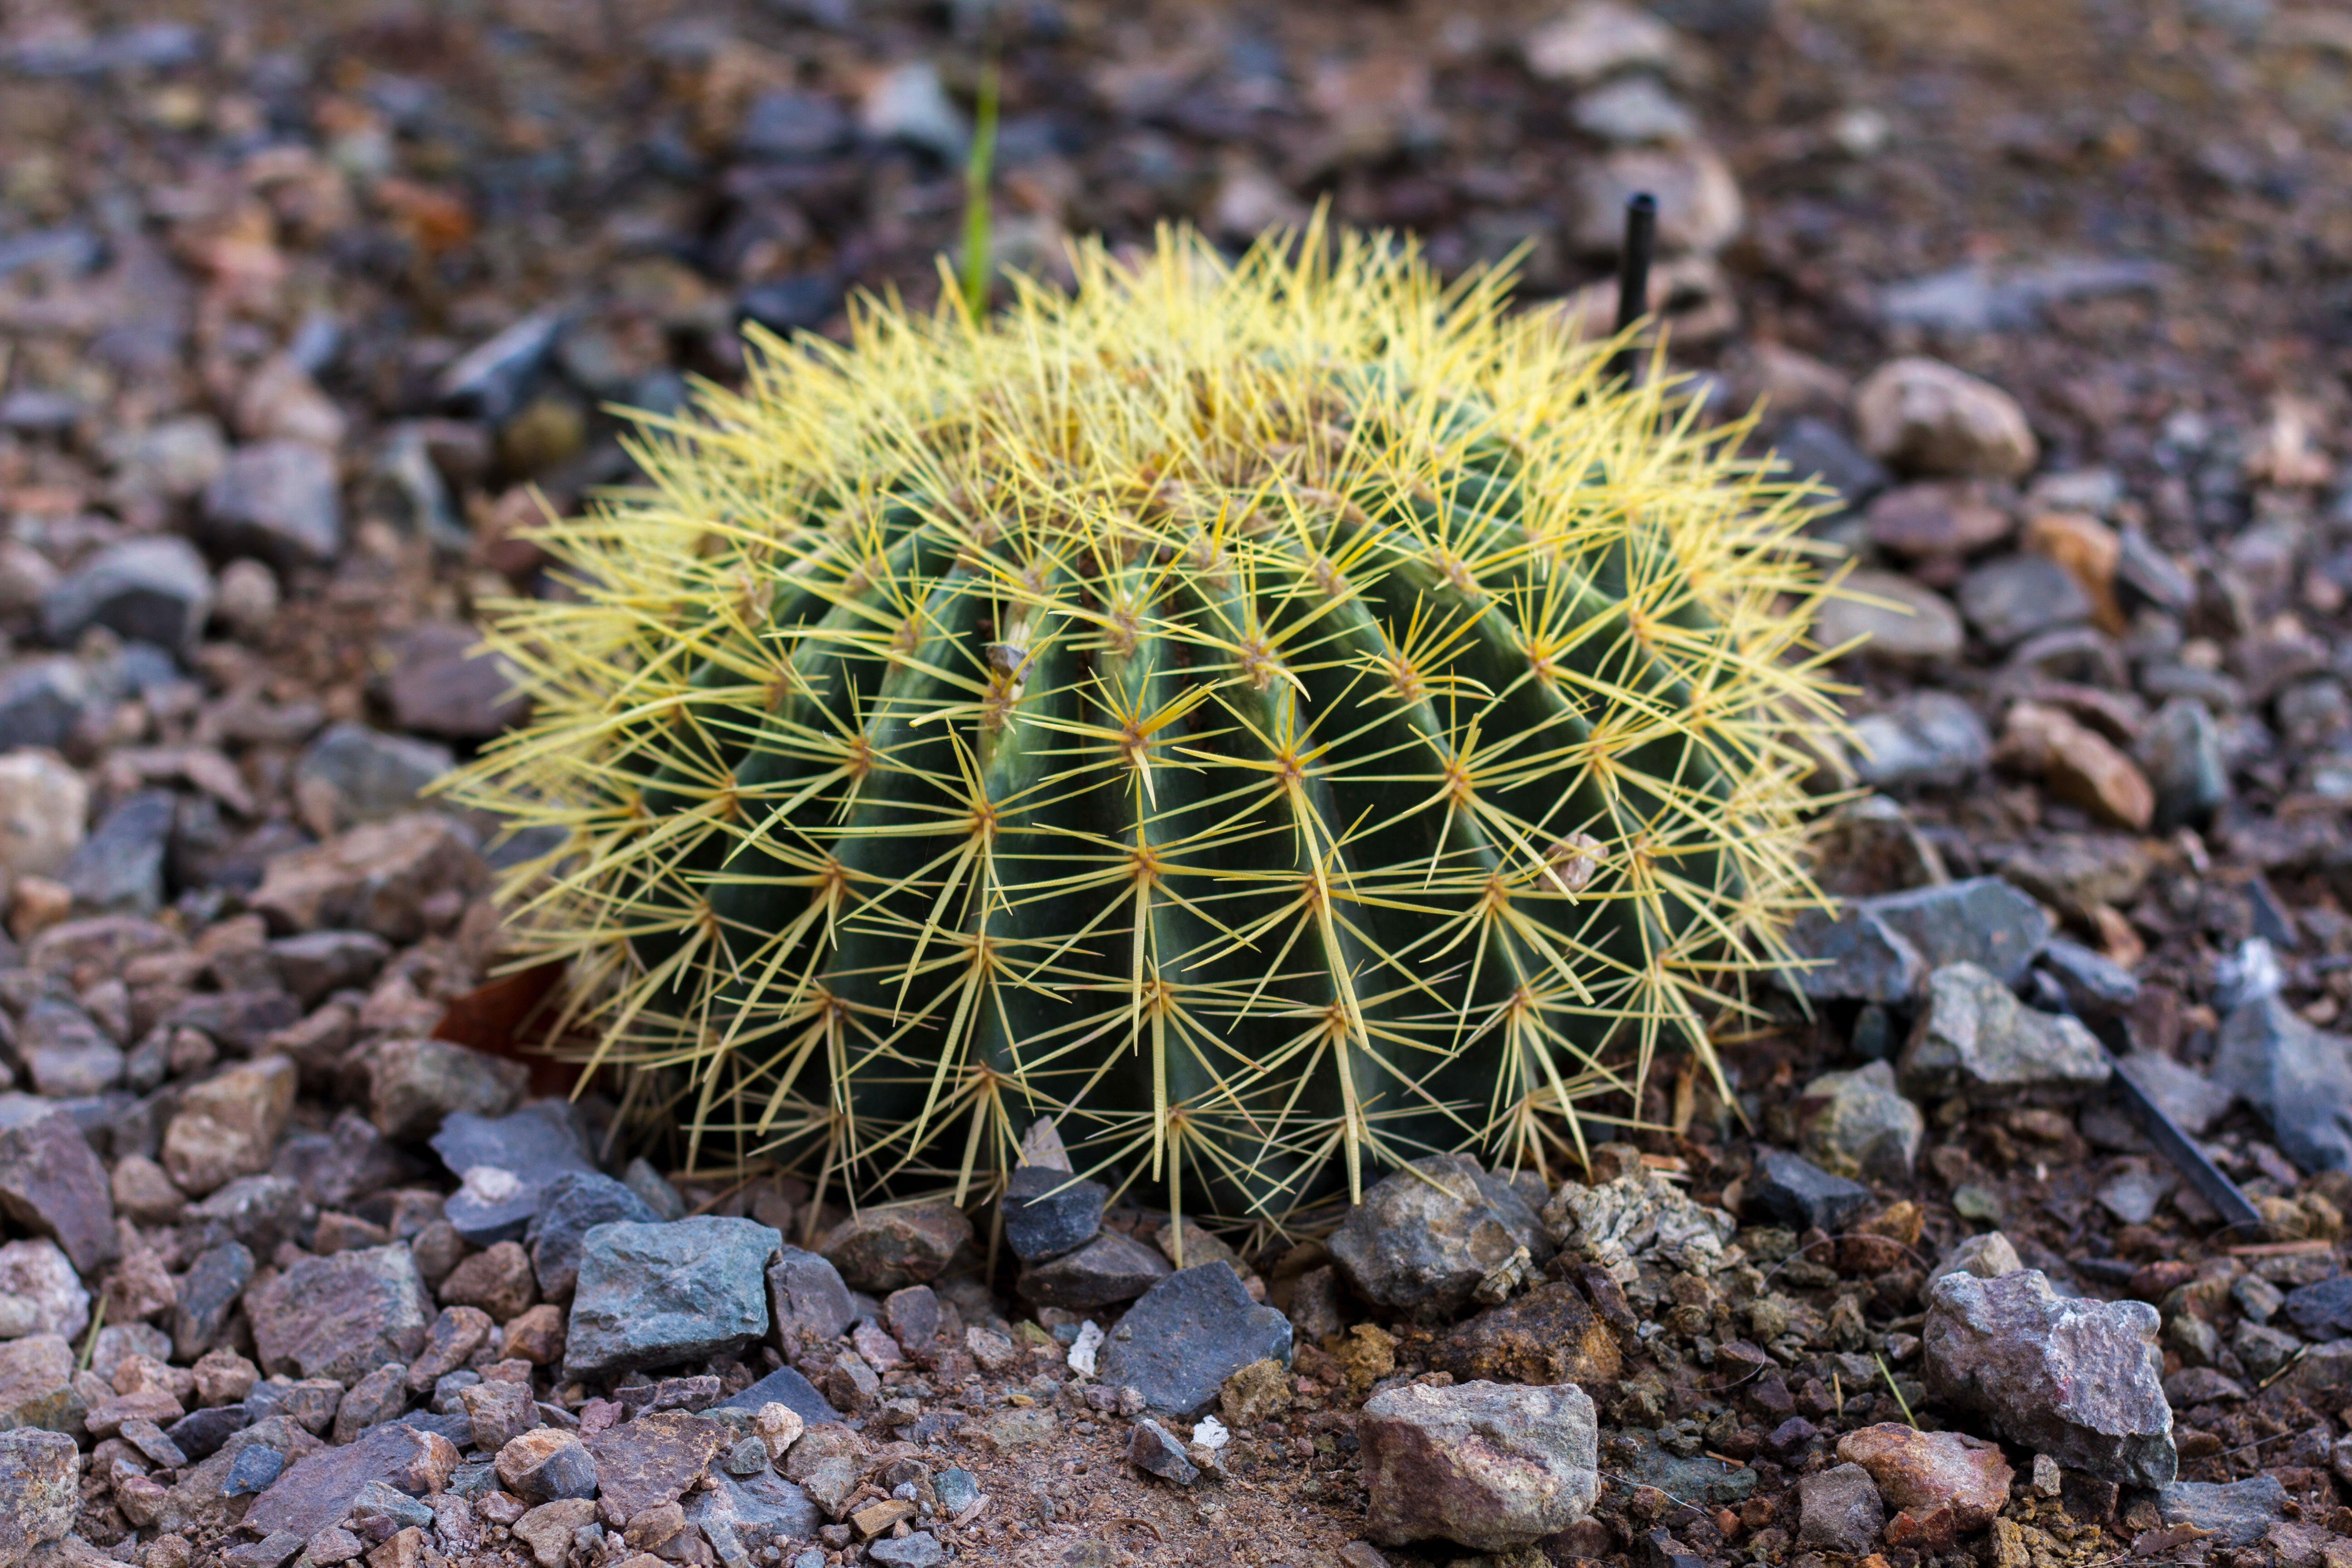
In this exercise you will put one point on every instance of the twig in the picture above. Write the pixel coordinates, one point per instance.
(90, 1345)
(1895, 1389)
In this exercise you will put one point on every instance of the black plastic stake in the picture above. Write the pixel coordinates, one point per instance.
(1633, 272)
(2177, 1148)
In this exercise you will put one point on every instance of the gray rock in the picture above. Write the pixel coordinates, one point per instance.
(2193, 1101)
(573, 1203)
(957, 1489)
(912, 1316)
(2298, 1077)
(1896, 620)
(743, 1516)
(362, 774)
(898, 1244)
(254, 1471)
(119, 869)
(1423, 1238)
(278, 501)
(324, 1487)
(1110, 1269)
(547, 1463)
(2323, 1309)
(507, 1165)
(2181, 752)
(808, 1297)
(442, 684)
(208, 1292)
(2240, 1513)
(1925, 416)
(1816, 449)
(316, 963)
(2092, 983)
(487, 380)
(651, 1295)
(41, 701)
(67, 1056)
(1988, 1257)
(654, 1187)
(52, 1184)
(1493, 1467)
(2081, 1381)
(1189, 1333)
(920, 1549)
(782, 123)
(1856, 955)
(1839, 1511)
(1048, 1212)
(340, 1316)
(787, 1387)
(1983, 921)
(1634, 112)
(152, 590)
(1922, 738)
(416, 1085)
(2012, 599)
(1152, 1448)
(259, 1211)
(1792, 1191)
(201, 1433)
(1975, 1038)
(40, 1490)
(1858, 1124)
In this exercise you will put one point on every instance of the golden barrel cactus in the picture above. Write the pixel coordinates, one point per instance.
(1277, 717)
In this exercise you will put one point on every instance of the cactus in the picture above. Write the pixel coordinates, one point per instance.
(1279, 717)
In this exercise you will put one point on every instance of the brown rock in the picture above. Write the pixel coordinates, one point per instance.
(2089, 551)
(1493, 1466)
(886, 1249)
(438, 686)
(547, 1530)
(413, 1085)
(40, 1490)
(319, 1491)
(2077, 764)
(1922, 1471)
(229, 1125)
(1924, 416)
(225, 1377)
(376, 878)
(500, 1411)
(140, 1289)
(36, 1383)
(106, 1418)
(449, 1344)
(52, 1184)
(537, 1336)
(1548, 1335)
(143, 1190)
(497, 1280)
(1937, 520)
(654, 1459)
(87, 951)
(546, 1463)
(1883, 1242)
(338, 1316)
(827, 1463)
(1258, 1392)
(371, 1400)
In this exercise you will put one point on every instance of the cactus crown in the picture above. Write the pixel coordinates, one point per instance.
(1268, 714)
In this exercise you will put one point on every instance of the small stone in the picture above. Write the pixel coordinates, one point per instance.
(322, 1488)
(2323, 1309)
(1256, 1393)
(67, 1056)
(808, 1296)
(1920, 1472)
(416, 1085)
(913, 1315)
(1983, 920)
(2079, 1380)
(353, 775)
(449, 1344)
(654, 1459)
(1922, 738)
(1049, 1212)
(2018, 597)
(154, 589)
(851, 1384)
(1988, 1257)
(2193, 1385)
(1547, 1335)
(1974, 1036)
(1190, 1332)
(52, 1184)
(1423, 1238)
(499, 1412)
(1852, 954)
(119, 869)
(1792, 1191)
(2077, 764)
(277, 501)
(497, 1280)
(1599, 38)
(44, 806)
(40, 1490)
(1858, 1124)
(208, 1291)
(1152, 1448)
(506, 1166)
(2094, 984)
(1493, 1466)
(1839, 1511)
(546, 1463)
(572, 1204)
(1110, 1269)
(1634, 112)
(254, 1471)
(377, 878)
(248, 598)
(2089, 551)
(1699, 206)
(2179, 751)
(537, 1336)
(888, 1248)
(1936, 522)
(787, 1387)
(747, 1518)
(1925, 417)
(338, 1316)
(229, 1125)
(2239, 1513)
(374, 1399)
(441, 684)
(918, 1549)
(2296, 1076)
(650, 1295)
(549, 1529)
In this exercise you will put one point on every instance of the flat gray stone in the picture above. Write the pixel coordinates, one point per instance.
(656, 1294)
(1189, 1333)
(1983, 921)
(2298, 1077)
(1495, 1466)
(1975, 1038)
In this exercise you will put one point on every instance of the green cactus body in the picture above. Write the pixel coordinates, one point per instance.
(1275, 717)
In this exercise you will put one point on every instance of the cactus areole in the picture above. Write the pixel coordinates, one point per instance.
(1279, 718)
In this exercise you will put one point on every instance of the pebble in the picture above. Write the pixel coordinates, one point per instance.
(119, 869)
(1493, 1466)
(1699, 206)
(1857, 1123)
(888, 1248)
(248, 598)
(506, 1166)
(1049, 1212)
(1896, 620)
(1975, 1038)
(67, 1055)
(415, 1086)
(1108, 1270)
(353, 774)
(152, 590)
(1637, 1218)
(36, 1389)
(1594, 39)
(497, 1280)
(2323, 1309)
(1635, 111)
(809, 1297)
(1152, 1448)
(1177, 1344)
(653, 1295)
(2081, 1381)
(40, 1490)
(51, 1181)
(2078, 764)
(439, 686)
(745, 1518)
(1983, 921)
(1853, 954)
(2089, 551)
(1936, 521)
(571, 1205)
(208, 1291)
(2238, 1513)
(1921, 738)
(1839, 1511)
(787, 1387)
(1919, 1472)
(377, 878)
(907, 103)
(1817, 450)
(42, 700)
(321, 1489)
(1792, 1191)
(278, 501)
(2180, 753)
(229, 1125)
(2296, 1076)
(44, 806)
(1547, 1335)
(1423, 1238)
(1924, 416)
(2094, 984)
(2007, 601)
(340, 1317)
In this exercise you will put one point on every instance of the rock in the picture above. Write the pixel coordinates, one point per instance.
(1975, 1038)
(787, 1387)
(42, 700)
(1110, 1269)
(2081, 1381)
(40, 1490)
(319, 1489)
(2090, 552)
(1936, 522)
(376, 878)
(781, 124)
(119, 869)
(507, 1166)
(2323, 1309)
(413, 1086)
(549, 1528)
(1921, 1471)
(545, 1464)
(809, 1297)
(1048, 1212)
(259, 1211)
(449, 1344)
(438, 685)
(1492, 1466)
(498, 1412)
(920, 1549)
(1188, 1334)
(497, 1280)
(1853, 954)
(2181, 752)
(744, 1517)
(907, 103)
(51, 1182)
(1635, 111)
(1839, 1511)
(1857, 1124)
(1257, 1392)
(36, 1383)
(175, 458)
(537, 1336)
(1924, 416)
(246, 599)
(1639, 1217)
(1988, 1257)
(913, 1318)
(43, 806)
(2193, 1385)
(374, 1399)
(2077, 764)
(655, 1188)
(2019, 597)
(229, 1125)
(2298, 1077)
(338, 1316)
(277, 501)
(353, 775)
(1155, 1450)
(1791, 1191)
(888, 1248)
(1598, 38)
(572, 1204)
(1424, 1238)
(1699, 206)
(654, 1458)
(154, 589)
(1547, 1335)
(318, 962)
(50, 1297)
(1922, 738)
(2094, 984)
(2239, 1513)
(649, 1295)
(208, 1291)
(1983, 921)
(254, 1471)
(69, 1057)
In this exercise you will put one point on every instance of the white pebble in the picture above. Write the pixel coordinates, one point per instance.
(1209, 1433)
(1083, 1348)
